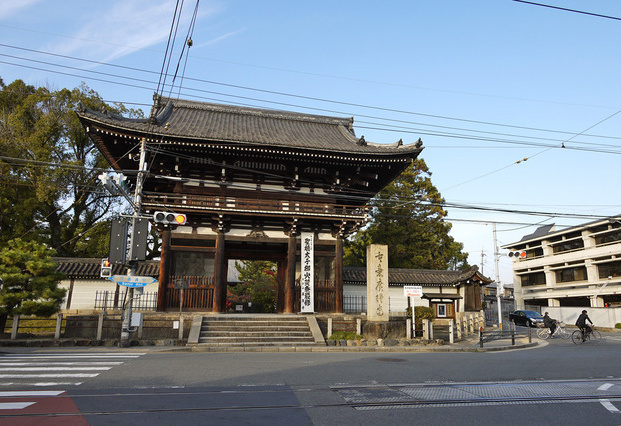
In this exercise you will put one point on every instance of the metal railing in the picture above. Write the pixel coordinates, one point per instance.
(105, 300)
(354, 304)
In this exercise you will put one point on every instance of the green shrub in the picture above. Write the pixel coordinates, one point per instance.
(618, 325)
(422, 312)
(345, 335)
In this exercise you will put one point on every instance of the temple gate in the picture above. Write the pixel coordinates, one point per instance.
(249, 181)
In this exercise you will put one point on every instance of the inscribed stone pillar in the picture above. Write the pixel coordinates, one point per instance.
(377, 282)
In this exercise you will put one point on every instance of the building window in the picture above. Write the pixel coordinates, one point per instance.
(612, 269)
(571, 274)
(608, 238)
(441, 310)
(536, 278)
(568, 246)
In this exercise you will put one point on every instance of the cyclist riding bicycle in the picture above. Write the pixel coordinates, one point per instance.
(582, 325)
(550, 323)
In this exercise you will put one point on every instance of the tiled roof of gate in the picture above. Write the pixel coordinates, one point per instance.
(90, 268)
(177, 118)
(425, 277)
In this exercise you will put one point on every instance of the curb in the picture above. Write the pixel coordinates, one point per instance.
(171, 346)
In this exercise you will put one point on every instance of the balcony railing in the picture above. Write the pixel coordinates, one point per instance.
(251, 206)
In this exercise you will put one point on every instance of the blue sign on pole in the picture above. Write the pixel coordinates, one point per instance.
(131, 280)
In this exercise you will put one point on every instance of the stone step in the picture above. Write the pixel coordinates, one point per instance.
(257, 339)
(250, 318)
(258, 344)
(253, 327)
(253, 331)
(251, 334)
(235, 323)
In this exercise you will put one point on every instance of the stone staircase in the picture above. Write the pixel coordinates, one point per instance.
(259, 330)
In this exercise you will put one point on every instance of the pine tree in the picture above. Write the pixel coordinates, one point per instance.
(258, 282)
(30, 281)
(408, 216)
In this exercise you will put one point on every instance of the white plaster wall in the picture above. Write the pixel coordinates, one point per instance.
(83, 296)
(602, 317)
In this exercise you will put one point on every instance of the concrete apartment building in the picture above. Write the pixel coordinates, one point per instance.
(578, 266)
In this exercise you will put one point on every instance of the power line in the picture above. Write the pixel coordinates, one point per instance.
(396, 200)
(280, 94)
(569, 10)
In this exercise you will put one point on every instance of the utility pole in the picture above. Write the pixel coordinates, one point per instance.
(131, 270)
(499, 286)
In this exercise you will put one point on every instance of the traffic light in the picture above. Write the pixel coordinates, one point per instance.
(121, 181)
(168, 218)
(118, 241)
(116, 185)
(518, 254)
(106, 269)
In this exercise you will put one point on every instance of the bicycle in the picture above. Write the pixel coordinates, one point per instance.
(544, 333)
(578, 337)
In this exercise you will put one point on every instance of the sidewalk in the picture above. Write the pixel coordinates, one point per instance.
(469, 344)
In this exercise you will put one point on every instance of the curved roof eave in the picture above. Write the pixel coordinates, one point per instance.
(303, 132)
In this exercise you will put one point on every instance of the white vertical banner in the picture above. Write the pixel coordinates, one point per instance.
(307, 280)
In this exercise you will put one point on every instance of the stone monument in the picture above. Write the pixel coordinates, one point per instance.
(377, 283)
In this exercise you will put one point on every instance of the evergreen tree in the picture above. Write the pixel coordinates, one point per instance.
(30, 281)
(49, 191)
(408, 216)
(258, 284)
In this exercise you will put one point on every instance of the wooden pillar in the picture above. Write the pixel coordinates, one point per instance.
(219, 292)
(165, 260)
(70, 293)
(290, 279)
(280, 292)
(338, 274)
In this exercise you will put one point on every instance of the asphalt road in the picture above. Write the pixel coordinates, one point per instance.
(556, 383)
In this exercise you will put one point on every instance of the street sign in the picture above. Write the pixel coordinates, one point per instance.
(412, 290)
(131, 280)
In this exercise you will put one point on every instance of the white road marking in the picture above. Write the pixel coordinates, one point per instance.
(77, 363)
(605, 386)
(608, 405)
(14, 405)
(69, 356)
(58, 369)
(41, 384)
(44, 376)
(23, 394)
(2, 369)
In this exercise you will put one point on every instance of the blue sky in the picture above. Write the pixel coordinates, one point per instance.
(484, 83)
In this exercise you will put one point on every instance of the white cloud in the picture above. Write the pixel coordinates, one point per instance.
(121, 28)
(219, 38)
(9, 8)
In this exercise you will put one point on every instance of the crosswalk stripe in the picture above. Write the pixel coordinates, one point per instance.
(57, 369)
(26, 394)
(14, 405)
(34, 364)
(41, 376)
(41, 384)
(73, 356)
(2, 369)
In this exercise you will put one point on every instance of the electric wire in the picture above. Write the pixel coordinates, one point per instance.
(162, 80)
(279, 93)
(598, 15)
